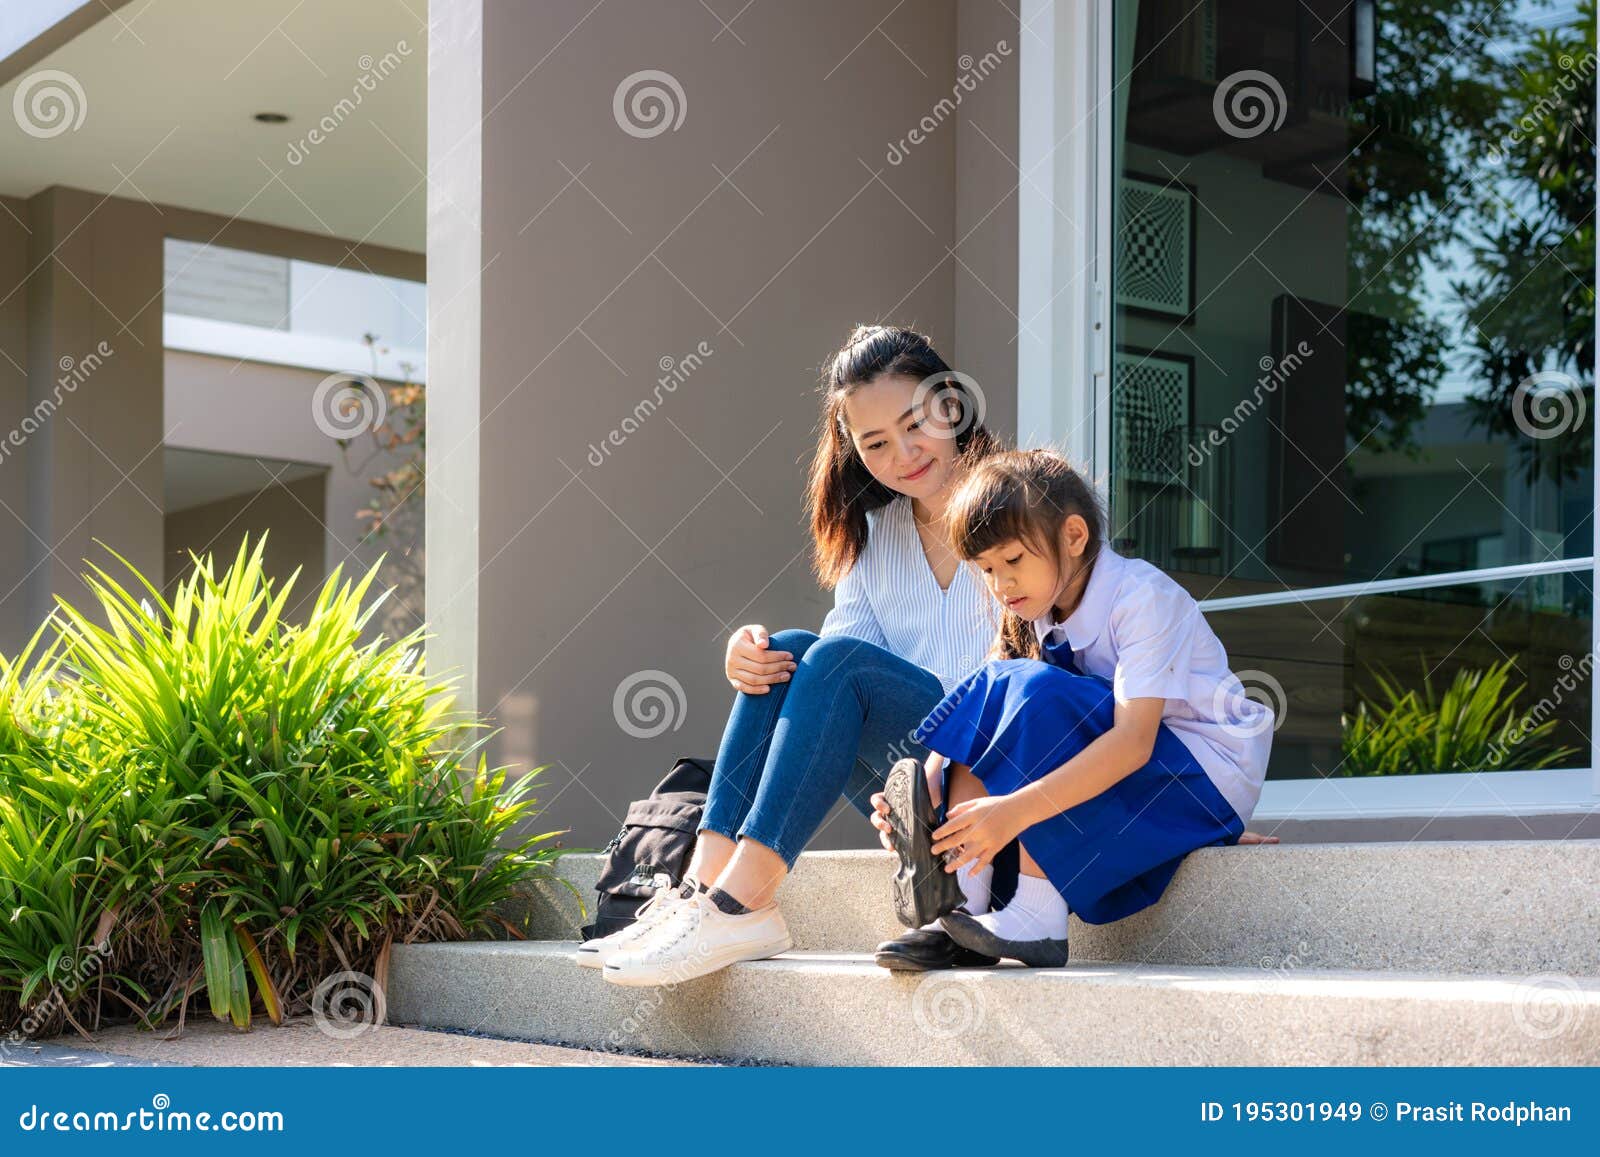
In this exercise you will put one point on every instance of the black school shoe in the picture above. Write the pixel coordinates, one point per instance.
(928, 950)
(923, 890)
(967, 932)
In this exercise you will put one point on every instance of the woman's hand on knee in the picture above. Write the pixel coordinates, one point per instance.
(880, 820)
(750, 666)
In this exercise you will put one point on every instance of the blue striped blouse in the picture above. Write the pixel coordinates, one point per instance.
(891, 598)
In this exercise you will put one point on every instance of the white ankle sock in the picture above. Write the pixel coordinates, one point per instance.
(975, 887)
(1036, 912)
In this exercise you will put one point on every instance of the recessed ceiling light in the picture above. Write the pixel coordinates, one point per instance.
(272, 118)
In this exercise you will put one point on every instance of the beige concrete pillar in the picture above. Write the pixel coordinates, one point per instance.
(646, 232)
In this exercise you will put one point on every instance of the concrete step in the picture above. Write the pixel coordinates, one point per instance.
(1513, 907)
(842, 1009)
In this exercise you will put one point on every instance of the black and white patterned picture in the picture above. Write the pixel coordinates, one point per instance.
(1152, 396)
(1155, 260)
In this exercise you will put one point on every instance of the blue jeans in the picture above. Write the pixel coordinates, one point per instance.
(844, 717)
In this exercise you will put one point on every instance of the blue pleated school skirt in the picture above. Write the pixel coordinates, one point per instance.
(1014, 721)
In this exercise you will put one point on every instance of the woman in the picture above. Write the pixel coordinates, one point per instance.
(820, 714)
(817, 715)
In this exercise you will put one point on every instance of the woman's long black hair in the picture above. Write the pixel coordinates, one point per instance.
(842, 490)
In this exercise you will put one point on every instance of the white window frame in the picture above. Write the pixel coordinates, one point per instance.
(1064, 236)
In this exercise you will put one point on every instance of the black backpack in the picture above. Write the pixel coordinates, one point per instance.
(653, 847)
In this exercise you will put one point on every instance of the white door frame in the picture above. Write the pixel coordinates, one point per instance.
(1064, 236)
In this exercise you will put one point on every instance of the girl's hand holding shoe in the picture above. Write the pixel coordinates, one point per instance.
(934, 769)
(978, 829)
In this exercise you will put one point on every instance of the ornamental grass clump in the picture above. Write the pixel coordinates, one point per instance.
(203, 801)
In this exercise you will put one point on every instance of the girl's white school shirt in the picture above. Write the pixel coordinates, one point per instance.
(890, 597)
(1138, 628)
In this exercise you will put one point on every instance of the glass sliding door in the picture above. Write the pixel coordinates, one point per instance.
(1351, 364)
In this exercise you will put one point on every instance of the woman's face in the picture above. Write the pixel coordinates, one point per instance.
(1028, 582)
(909, 451)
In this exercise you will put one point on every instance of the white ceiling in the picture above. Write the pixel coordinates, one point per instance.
(170, 88)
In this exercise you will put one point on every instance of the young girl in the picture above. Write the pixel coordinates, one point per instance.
(1108, 735)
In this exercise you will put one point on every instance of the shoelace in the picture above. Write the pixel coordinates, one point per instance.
(687, 916)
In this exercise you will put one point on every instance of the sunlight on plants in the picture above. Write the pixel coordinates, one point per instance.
(199, 796)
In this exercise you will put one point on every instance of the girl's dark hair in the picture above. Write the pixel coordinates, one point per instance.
(842, 490)
(1022, 496)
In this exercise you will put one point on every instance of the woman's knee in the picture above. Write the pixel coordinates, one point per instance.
(792, 640)
(837, 654)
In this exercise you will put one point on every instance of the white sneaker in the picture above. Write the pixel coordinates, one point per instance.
(696, 938)
(595, 952)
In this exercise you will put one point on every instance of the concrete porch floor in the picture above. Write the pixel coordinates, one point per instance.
(299, 1043)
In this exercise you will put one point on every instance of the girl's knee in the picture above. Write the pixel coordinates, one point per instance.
(962, 784)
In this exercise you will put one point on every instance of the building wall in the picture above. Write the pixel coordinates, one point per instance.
(986, 180)
(590, 566)
(85, 467)
(13, 406)
(293, 513)
(94, 393)
(259, 410)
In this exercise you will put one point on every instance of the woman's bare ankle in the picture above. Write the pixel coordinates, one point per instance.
(753, 875)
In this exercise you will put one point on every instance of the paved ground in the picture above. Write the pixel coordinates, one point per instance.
(300, 1042)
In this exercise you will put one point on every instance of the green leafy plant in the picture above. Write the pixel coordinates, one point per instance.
(197, 795)
(1473, 726)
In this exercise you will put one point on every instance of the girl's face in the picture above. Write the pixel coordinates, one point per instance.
(909, 451)
(1030, 583)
